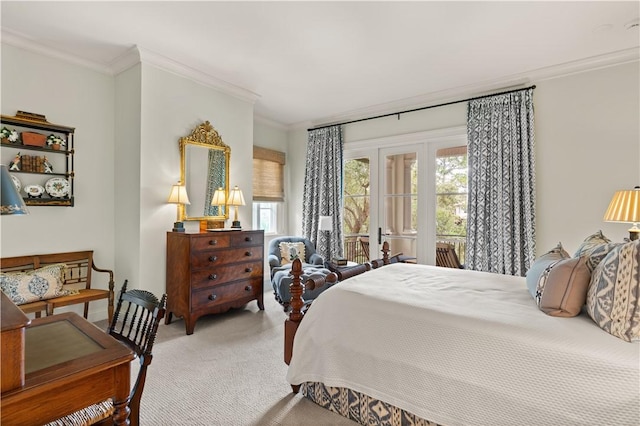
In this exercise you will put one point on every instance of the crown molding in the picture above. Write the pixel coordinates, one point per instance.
(17, 39)
(132, 56)
(484, 88)
(168, 64)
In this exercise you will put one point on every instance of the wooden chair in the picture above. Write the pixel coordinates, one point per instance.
(364, 245)
(446, 256)
(135, 324)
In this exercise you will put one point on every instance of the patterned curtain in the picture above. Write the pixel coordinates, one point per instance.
(215, 179)
(501, 211)
(323, 190)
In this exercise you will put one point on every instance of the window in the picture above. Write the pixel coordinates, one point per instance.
(356, 208)
(451, 197)
(268, 188)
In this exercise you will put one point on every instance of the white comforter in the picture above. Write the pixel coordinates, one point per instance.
(465, 348)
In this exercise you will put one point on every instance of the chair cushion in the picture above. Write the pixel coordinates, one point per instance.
(282, 279)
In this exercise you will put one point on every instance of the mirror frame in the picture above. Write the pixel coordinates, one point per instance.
(206, 136)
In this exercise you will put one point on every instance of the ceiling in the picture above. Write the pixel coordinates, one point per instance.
(313, 62)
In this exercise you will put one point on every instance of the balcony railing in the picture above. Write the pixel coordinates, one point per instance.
(353, 251)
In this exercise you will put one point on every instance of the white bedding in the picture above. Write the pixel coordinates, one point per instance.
(465, 348)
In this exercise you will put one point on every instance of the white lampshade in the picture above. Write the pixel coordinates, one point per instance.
(219, 198)
(235, 197)
(178, 195)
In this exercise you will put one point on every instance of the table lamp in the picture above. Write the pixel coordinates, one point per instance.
(236, 199)
(178, 196)
(12, 202)
(625, 207)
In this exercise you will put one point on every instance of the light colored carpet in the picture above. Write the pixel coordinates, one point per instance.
(230, 371)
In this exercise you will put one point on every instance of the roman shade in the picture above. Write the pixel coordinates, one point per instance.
(268, 174)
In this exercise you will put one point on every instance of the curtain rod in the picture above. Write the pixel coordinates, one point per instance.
(420, 109)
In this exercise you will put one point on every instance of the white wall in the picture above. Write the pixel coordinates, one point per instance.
(587, 147)
(127, 158)
(78, 97)
(172, 106)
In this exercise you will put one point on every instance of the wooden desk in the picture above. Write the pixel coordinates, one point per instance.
(69, 364)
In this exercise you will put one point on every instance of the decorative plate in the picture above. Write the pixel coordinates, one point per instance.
(16, 182)
(57, 187)
(34, 191)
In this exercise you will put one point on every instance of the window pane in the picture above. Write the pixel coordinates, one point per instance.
(451, 197)
(356, 208)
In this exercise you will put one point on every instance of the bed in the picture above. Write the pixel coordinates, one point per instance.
(417, 344)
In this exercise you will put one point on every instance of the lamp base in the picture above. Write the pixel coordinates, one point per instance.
(178, 227)
(236, 224)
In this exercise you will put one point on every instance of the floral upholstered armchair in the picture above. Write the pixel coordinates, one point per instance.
(282, 252)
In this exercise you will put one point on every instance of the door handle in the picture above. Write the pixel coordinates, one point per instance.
(379, 236)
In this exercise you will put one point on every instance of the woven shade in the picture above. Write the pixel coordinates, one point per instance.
(624, 207)
(268, 175)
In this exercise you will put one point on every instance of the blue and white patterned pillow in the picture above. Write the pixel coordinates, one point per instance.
(613, 298)
(39, 284)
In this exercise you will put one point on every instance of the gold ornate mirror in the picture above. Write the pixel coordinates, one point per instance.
(204, 168)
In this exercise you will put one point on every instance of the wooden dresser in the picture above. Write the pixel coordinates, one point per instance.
(212, 272)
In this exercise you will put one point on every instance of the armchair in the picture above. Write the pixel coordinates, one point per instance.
(312, 267)
(275, 259)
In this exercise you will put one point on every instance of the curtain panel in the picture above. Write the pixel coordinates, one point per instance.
(501, 210)
(323, 190)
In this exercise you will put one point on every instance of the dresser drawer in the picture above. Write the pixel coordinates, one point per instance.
(211, 240)
(209, 259)
(209, 297)
(248, 238)
(222, 274)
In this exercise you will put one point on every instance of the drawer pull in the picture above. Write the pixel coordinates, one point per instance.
(248, 239)
(247, 253)
(249, 288)
(213, 242)
(248, 269)
(213, 276)
(213, 297)
(213, 258)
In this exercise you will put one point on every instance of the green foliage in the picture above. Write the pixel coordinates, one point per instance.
(356, 196)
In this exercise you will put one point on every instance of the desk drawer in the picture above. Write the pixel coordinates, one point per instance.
(218, 295)
(222, 274)
(211, 240)
(216, 258)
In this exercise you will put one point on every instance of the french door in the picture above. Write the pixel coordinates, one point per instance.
(395, 191)
(399, 199)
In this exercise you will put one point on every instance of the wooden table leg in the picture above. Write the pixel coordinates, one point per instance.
(120, 400)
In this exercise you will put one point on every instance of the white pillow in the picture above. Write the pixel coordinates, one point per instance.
(291, 251)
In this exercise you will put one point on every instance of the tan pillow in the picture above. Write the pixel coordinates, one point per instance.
(291, 251)
(613, 299)
(562, 288)
(39, 284)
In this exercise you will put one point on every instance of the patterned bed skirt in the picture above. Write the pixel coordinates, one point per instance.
(360, 407)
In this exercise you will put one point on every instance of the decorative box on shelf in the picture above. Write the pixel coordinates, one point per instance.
(33, 139)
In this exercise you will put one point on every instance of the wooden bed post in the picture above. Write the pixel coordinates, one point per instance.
(295, 316)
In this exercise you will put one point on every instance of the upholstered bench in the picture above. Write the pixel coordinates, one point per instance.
(282, 279)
